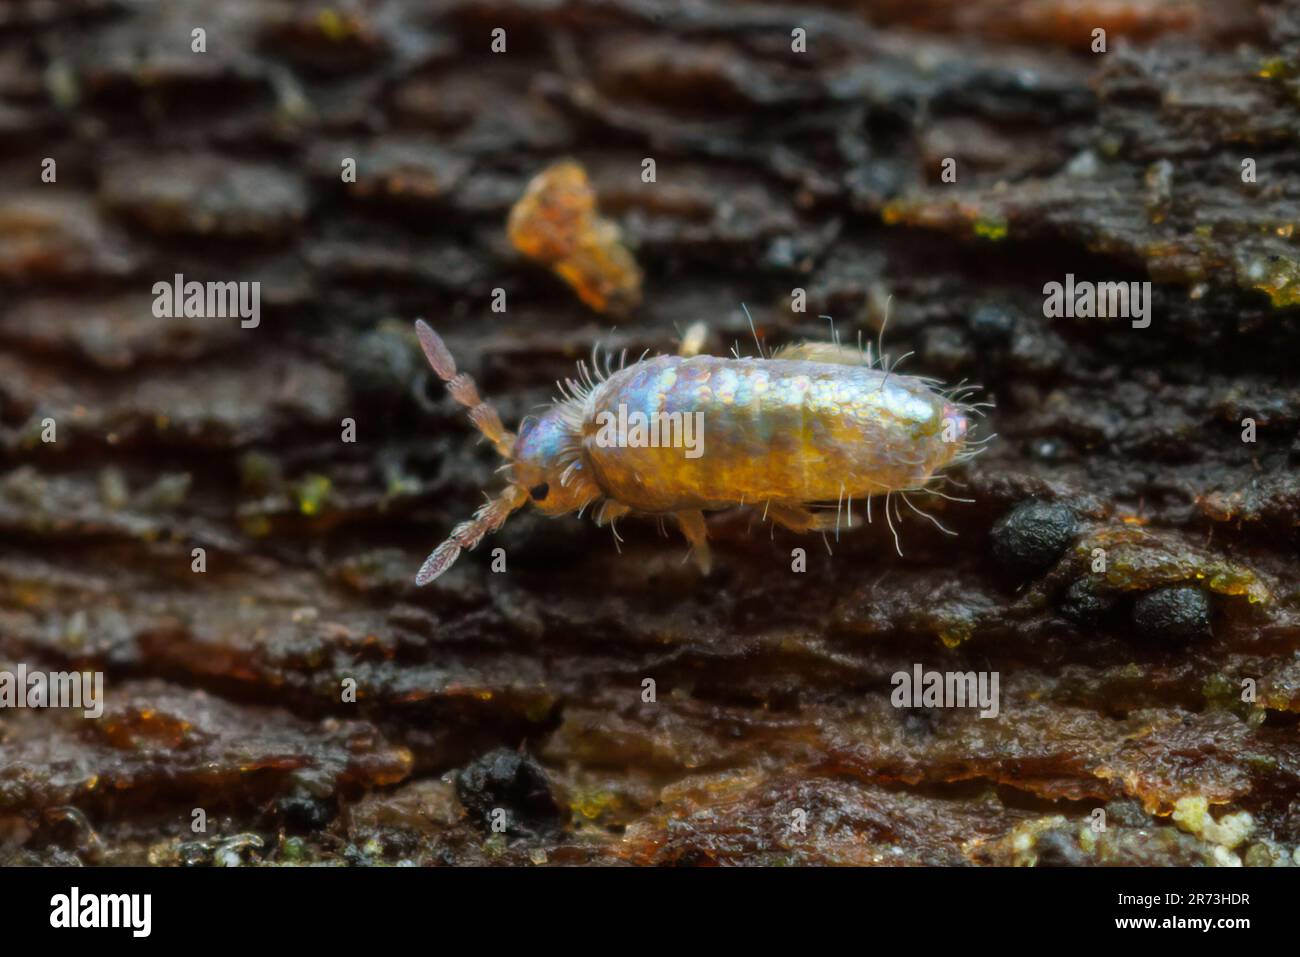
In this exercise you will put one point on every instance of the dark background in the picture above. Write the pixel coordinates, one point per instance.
(522, 690)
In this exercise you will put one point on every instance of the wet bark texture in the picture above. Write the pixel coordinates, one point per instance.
(1121, 689)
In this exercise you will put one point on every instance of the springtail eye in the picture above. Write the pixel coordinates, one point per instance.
(539, 492)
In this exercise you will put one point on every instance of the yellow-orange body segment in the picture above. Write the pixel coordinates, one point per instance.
(785, 431)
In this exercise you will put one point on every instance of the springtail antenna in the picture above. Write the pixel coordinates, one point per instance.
(466, 535)
(462, 388)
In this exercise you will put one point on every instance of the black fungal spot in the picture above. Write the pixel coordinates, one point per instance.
(302, 812)
(513, 782)
(1173, 613)
(1083, 605)
(1031, 537)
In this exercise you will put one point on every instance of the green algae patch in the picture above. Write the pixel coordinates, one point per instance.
(312, 493)
(1138, 559)
(1278, 68)
(994, 229)
(956, 631)
(595, 804)
(949, 215)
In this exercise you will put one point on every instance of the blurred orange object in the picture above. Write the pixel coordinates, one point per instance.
(555, 223)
